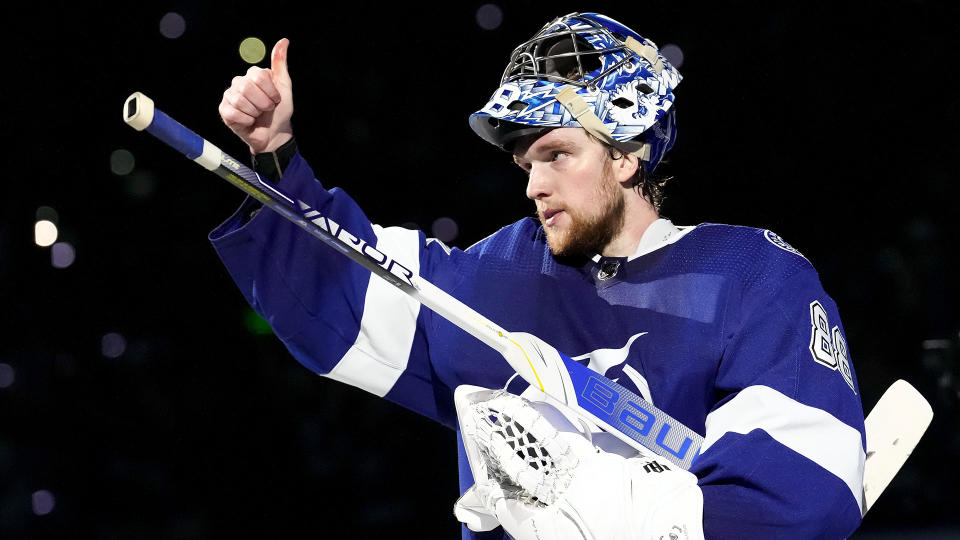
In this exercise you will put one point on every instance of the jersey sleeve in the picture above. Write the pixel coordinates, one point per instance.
(783, 453)
(332, 314)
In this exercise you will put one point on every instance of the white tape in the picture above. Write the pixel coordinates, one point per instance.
(210, 157)
(138, 111)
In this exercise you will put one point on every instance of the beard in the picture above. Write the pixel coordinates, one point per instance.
(588, 234)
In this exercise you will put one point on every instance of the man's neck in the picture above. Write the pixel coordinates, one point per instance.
(639, 215)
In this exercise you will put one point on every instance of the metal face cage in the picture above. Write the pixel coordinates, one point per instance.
(561, 53)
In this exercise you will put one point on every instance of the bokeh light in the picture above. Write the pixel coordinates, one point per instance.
(489, 16)
(44, 233)
(7, 375)
(140, 184)
(252, 50)
(673, 54)
(445, 229)
(113, 345)
(172, 25)
(121, 162)
(42, 502)
(62, 255)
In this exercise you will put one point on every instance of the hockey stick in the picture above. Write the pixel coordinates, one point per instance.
(893, 427)
(608, 404)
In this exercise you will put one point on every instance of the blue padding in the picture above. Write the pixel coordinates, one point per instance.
(175, 134)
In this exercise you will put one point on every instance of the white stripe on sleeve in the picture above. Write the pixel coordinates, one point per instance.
(380, 354)
(808, 431)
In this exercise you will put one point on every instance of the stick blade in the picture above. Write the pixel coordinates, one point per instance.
(894, 427)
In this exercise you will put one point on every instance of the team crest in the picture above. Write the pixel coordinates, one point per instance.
(775, 239)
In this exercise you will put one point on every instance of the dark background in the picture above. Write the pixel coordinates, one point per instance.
(833, 125)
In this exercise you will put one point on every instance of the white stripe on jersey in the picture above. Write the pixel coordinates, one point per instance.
(382, 349)
(808, 431)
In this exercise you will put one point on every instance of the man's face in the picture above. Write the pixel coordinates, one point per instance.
(571, 180)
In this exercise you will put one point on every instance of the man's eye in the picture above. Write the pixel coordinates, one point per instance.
(557, 155)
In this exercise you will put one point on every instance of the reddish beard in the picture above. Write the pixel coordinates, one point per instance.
(589, 234)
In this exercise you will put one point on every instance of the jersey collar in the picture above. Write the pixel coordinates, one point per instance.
(660, 233)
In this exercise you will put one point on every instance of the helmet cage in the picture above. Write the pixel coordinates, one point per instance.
(531, 58)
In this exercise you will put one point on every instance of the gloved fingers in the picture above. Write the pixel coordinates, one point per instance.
(472, 510)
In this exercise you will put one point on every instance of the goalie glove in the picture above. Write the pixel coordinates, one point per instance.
(542, 479)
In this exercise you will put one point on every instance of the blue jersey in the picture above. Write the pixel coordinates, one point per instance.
(725, 328)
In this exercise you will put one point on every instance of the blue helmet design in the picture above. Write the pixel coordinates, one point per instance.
(586, 70)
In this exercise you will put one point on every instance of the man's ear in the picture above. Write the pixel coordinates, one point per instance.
(625, 168)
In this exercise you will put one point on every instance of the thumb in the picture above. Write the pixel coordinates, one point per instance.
(278, 61)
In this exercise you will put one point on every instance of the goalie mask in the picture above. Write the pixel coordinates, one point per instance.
(586, 70)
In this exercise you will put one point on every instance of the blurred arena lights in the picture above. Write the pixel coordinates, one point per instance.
(43, 502)
(489, 16)
(140, 184)
(44, 233)
(172, 25)
(252, 50)
(7, 375)
(445, 229)
(673, 53)
(121, 162)
(113, 345)
(62, 255)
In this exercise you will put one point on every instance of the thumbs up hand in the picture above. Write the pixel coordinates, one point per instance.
(258, 105)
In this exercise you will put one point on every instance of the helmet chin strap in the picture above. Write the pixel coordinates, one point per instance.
(588, 119)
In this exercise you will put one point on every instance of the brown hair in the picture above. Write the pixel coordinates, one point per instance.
(648, 186)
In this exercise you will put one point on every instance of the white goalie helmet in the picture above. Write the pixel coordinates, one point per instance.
(586, 70)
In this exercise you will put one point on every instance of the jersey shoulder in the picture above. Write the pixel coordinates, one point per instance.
(526, 231)
(753, 256)
(521, 244)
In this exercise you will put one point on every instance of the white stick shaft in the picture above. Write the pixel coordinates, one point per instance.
(461, 315)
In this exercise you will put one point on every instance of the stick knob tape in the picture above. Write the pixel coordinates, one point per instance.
(140, 114)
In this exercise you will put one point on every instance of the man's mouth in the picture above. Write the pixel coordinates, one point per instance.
(550, 216)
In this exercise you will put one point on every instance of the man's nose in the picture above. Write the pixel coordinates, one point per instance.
(538, 183)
